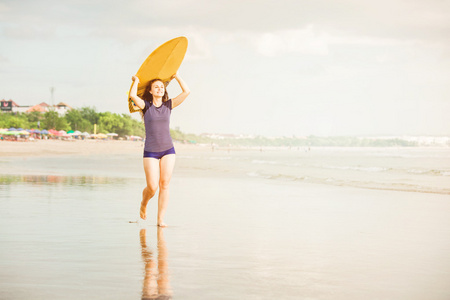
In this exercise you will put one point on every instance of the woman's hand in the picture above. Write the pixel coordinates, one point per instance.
(185, 91)
(133, 93)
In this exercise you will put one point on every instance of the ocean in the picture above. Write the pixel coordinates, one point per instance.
(424, 170)
(299, 223)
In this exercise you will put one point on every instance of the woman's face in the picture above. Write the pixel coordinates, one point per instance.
(157, 89)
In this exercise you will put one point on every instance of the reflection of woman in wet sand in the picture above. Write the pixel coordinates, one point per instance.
(156, 278)
(159, 153)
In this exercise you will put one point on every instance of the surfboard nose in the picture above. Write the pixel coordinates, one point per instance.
(162, 63)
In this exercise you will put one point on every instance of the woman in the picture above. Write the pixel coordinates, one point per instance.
(159, 153)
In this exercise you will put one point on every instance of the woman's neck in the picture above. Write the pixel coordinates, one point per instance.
(157, 101)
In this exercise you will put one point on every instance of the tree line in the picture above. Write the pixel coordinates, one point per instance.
(82, 119)
(294, 142)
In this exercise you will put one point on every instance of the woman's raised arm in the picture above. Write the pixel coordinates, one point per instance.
(185, 92)
(133, 93)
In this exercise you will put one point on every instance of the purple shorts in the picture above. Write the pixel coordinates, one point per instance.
(159, 155)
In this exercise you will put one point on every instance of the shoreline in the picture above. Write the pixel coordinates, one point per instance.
(49, 148)
(42, 148)
(46, 148)
(378, 168)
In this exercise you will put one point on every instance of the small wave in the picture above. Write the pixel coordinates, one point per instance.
(258, 175)
(415, 171)
(429, 172)
(371, 169)
(393, 186)
(363, 169)
(284, 177)
(220, 158)
(277, 176)
(411, 155)
(264, 162)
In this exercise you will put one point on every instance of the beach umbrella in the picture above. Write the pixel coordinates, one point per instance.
(112, 134)
(44, 131)
(12, 129)
(57, 133)
(12, 132)
(85, 133)
(73, 133)
(19, 129)
(23, 132)
(36, 131)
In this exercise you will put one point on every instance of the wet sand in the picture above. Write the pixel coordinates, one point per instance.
(80, 147)
(65, 233)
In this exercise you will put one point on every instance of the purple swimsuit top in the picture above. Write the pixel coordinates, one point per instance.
(157, 126)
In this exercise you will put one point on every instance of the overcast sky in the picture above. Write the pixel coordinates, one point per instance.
(321, 67)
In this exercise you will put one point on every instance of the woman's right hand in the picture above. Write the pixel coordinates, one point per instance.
(133, 93)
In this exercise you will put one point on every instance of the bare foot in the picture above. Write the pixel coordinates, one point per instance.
(161, 224)
(143, 212)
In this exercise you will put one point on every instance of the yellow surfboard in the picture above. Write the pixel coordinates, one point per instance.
(162, 63)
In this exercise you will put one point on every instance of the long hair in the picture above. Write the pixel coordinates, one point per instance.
(147, 96)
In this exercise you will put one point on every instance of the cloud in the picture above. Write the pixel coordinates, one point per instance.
(130, 20)
(306, 41)
(199, 46)
(28, 31)
(4, 8)
(3, 59)
(302, 41)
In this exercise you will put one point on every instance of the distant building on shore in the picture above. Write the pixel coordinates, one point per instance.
(10, 106)
(7, 105)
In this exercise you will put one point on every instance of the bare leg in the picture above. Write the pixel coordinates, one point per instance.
(151, 168)
(166, 164)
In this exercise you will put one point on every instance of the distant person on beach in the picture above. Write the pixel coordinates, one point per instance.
(159, 152)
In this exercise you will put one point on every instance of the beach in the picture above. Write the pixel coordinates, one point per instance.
(322, 223)
(67, 147)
